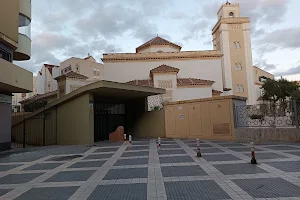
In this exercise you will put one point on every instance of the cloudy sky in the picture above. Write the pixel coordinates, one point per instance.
(65, 28)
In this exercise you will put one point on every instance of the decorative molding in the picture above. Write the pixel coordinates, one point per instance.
(234, 26)
(235, 20)
(121, 57)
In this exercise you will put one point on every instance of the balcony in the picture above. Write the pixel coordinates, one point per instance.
(14, 79)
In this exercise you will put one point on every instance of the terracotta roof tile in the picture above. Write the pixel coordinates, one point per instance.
(180, 82)
(216, 92)
(193, 81)
(50, 67)
(72, 74)
(40, 97)
(157, 41)
(164, 68)
(148, 83)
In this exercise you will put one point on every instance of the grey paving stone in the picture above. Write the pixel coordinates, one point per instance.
(201, 145)
(173, 171)
(221, 141)
(23, 157)
(120, 191)
(287, 166)
(134, 161)
(170, 146)
(209, 150)
(243, 168)
(64, 158)
(232, 145)
(138, 153)
(266, 155)
(176, 159)
(43, 166)
(8, 167)
(243, 149)
(87, 164)
(52, 193)
(66, 176)
(281, 148)
(4, 191)
(136, 148)
(192, 190)
(296, 153)
(68, 150)
(268, 187)
(141, 142)
(173, 151)
(110, 149)
(18, 178)
(98, 156)
(222, 157)
(126, 173)
(192, 141)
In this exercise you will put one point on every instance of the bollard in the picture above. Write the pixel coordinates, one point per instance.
(198, 148)
(253, 160)
(125, 138)
(159, 142)
(130, 140)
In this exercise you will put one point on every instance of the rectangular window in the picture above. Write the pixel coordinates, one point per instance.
(165, 84)
(239, 88)
(96, 73)
(236, 45)
(238, 66)
(5, 55)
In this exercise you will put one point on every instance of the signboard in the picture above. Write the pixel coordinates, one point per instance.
(5, 99)
(180, 116)
(91, 104)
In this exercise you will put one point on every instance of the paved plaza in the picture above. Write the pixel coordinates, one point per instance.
(117, 171)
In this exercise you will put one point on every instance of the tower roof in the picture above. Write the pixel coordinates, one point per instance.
(157, 41)
(164, 68)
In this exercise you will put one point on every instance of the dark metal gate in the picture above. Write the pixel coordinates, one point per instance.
(28, 130)
(107, 117)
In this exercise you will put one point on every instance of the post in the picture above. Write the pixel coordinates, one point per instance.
(253, 160)
(198, 148)
(44, 130)
(295, 113)
(130, 140)
(159, 142)
(124, 138)
(24, 132)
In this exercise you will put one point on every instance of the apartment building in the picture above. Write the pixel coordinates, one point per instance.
(15, 44)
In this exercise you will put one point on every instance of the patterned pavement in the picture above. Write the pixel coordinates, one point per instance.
(117, 171)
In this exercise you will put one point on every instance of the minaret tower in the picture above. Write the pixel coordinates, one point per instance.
(231, 36)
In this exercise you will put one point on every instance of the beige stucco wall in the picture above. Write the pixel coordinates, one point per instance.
(9, 21)
(210, 118)
(85, 67)
(257, 72)
(14, 78)
(201, 69)
(151, 125)
(75, 122)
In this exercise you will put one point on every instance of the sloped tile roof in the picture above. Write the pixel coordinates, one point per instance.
(50, 67)
(180, 82)
(192, 81)
(157, 41)
(72, 74)
(148, 83)
(216, 92)
(164, 68)
(40, 97)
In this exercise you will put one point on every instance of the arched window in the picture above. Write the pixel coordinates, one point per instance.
(231, 14)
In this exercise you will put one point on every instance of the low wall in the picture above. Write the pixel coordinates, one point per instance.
(262, 135)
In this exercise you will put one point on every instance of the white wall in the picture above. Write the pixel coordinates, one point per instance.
(77, 82)
(40, 83)
(85, 67)
(201, 69)
(181, 94)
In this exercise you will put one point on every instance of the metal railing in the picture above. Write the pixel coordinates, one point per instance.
(282, 114)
